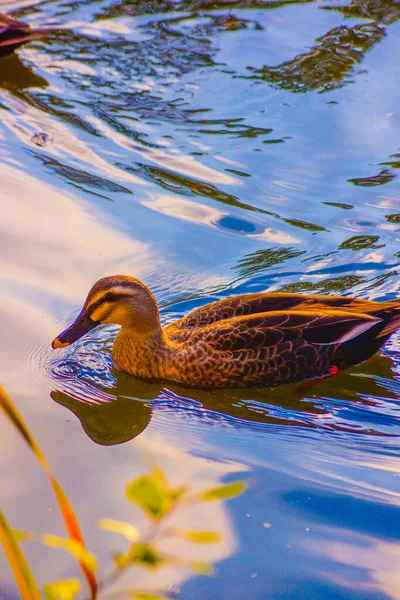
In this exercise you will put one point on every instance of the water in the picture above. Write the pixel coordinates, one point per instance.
(208, 149)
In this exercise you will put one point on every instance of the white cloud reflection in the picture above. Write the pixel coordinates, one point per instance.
(379, 560)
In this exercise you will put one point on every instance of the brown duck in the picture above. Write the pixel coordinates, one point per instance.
(243, 341)
(15, 33)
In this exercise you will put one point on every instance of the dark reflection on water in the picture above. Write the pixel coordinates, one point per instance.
(385, 11)
(15, 76)
(111, 422)
(326, 65)
(381, 178)
(82, 179)
(337, 52)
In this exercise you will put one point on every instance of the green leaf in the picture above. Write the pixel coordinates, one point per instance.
(203, 537)
(199, 537)
(224, 492)
(145, 554)
(159, 476)
(73, 547)
(147, 493)
(18, 563)
(62, 590)
(121, 561)
(125, 529)
(177, 493)
(203, 568)
(142, 554)
(173, 493)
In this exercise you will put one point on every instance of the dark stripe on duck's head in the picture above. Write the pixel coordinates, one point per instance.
(115, 283)
(107, 297)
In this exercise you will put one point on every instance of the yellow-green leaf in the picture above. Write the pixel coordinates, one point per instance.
(177, 493)
(73, 530)
(10, 410)
(66, 589)
(121, 561)
(73, 547)
(203, 568)
(66, 510)
(201, 537)
(159, 476)
(142, 554)
(147, 493)
(145, 554)
(125, 529)
(224, 492)
(18, 563)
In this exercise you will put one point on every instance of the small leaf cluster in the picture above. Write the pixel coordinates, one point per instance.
(154, 495)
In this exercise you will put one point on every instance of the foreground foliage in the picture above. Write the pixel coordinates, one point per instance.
(152, 493)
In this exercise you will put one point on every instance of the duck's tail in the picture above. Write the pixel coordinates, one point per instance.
(392, 325)
(371, 341)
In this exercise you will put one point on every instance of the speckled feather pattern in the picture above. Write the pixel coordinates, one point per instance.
(259, 340)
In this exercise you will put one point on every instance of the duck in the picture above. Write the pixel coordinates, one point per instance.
(251, 340)
(14, 33)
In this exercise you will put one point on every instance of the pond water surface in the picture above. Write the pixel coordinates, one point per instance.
(208, 149)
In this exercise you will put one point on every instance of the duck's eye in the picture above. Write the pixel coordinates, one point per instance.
(109, 297)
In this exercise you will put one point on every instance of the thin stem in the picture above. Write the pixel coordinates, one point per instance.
(149, 537)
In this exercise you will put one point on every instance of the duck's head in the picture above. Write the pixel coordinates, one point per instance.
(117, 299)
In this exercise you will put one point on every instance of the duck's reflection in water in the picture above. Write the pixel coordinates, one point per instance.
(117, 414)
(15, 76)
(108, 423)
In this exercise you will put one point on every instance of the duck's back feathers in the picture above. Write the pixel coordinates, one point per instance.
(265, 339)
(251, 304)
(278, 327)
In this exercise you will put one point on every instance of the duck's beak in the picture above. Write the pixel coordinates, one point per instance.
(78, 329)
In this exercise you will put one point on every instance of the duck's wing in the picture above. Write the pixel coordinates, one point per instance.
(277, 327)
(252, 304)
(13, 33)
